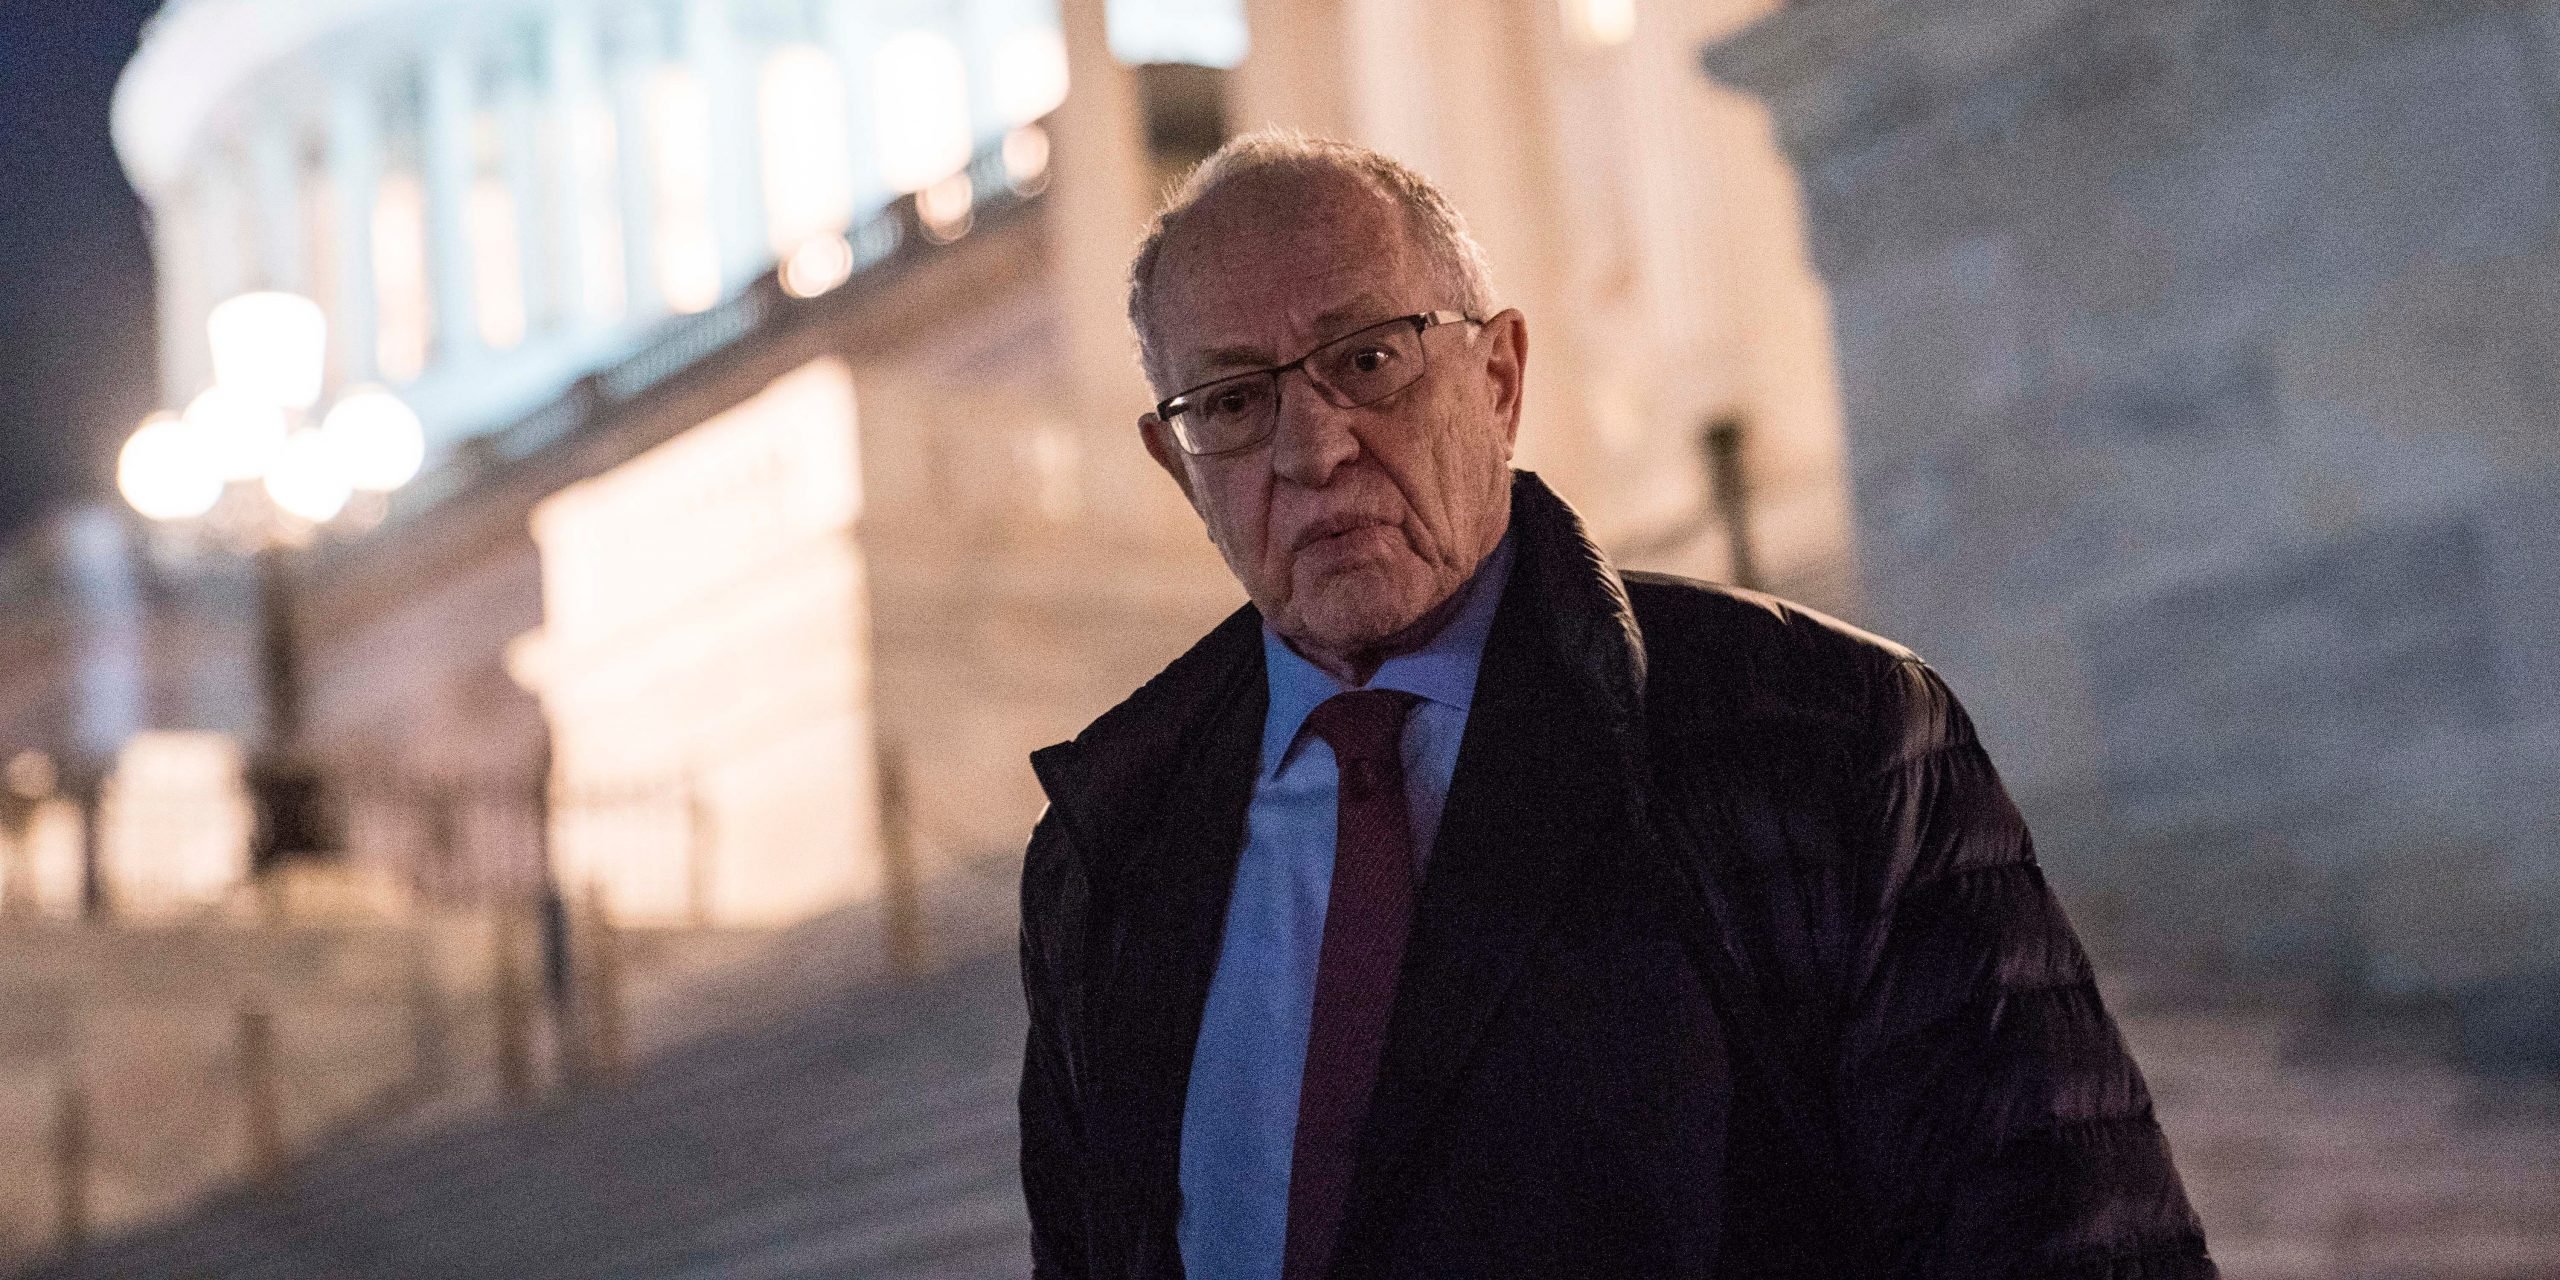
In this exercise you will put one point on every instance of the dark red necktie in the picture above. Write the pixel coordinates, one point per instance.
(1365, 919)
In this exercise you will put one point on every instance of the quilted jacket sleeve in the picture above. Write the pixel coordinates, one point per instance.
(1053, 1148)
(1991, 1119)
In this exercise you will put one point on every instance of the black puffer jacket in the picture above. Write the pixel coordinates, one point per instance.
(1733, 959)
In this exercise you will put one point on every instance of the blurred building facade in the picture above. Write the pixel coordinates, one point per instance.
(785, 487)
(2199, 362)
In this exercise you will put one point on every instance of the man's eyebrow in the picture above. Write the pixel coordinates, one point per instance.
(1332, 323)
(1239, 357)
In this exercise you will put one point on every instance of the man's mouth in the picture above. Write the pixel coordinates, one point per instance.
(1334, 527)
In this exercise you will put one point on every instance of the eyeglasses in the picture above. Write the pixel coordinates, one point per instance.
(1359, 368)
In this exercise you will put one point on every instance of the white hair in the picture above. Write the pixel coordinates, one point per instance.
(1457, 263)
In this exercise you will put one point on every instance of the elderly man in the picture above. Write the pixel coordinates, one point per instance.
(1463, 907)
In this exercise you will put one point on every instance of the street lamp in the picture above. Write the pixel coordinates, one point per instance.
(253, 434)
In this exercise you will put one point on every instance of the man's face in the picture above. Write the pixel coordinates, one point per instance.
(1347, 527)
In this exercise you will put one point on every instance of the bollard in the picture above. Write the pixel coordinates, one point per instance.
(71, 1151)
(901, 904)
(559, 985)
(513, 1011)
(431, 1057)
(604, 989)
(259, 1096)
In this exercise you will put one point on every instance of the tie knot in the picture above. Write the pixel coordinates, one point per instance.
(1364, 725)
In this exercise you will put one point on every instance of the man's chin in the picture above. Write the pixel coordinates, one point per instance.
(1356, 613)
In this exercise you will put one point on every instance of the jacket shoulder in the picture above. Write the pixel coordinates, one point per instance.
(1108, 773)
(1771, 665)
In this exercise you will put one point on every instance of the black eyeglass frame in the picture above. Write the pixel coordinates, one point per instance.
(1179, 403)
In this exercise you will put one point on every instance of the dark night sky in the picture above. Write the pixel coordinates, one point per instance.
(77, 368)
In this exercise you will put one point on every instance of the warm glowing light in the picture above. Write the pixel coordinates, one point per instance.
(376, 439)
(817, 266)
(1026, 158)
(944, 208)
(687, 249)
(240, 432)
(166, 470)
(271, 346)
(307, 480)
(497, 263)
(1601, 21)
(920, 90)
(402, 310)
(1030, 74)
(808, 186)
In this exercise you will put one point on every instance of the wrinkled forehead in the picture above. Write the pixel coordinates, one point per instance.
(1265, 264)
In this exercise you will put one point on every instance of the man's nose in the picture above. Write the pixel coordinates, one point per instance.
(1312, 438)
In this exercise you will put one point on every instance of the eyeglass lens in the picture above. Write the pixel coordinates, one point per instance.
(1350, 371)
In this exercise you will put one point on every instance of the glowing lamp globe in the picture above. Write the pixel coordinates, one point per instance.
(167, 471)
(270, 347)
(376, 439)
(307, 480)
(240, 432)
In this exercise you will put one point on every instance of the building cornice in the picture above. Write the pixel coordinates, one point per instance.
(1834, 69)
(196, 53)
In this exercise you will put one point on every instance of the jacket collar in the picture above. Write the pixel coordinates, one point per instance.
(1116, 772)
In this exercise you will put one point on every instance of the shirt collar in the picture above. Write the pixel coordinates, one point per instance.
(1442, 671)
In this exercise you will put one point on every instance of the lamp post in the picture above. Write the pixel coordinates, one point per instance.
(253, 446)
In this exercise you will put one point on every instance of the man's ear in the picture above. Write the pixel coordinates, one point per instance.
(1506, 367)
(1160, 446)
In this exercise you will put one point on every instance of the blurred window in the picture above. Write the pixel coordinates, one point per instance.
(808, 189)
(920, 88)
(687, 251)
(1202, 33)
(402, 316)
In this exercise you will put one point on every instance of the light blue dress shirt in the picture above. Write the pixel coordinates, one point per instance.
(1240, 1121)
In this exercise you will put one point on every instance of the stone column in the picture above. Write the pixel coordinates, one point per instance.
(852, 32)
(519, 161)
(178, 250)
(1475, 110)
(224, 237)
(1294, 75)
(737, 191)
(634, 59)
(574, 95)
(275, 174)
(355, 180)
(981, 32)
(1096, 207)
(448, 166)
